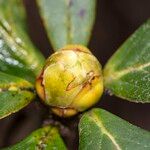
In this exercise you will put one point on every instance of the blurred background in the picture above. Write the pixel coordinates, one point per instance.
(115, 21)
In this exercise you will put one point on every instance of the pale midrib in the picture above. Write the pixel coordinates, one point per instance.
(69, 27)
(104, 130)
(42, 141)
(119, 74)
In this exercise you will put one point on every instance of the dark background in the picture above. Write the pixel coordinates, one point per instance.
(115, 21)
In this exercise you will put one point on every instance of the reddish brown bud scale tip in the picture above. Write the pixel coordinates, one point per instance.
(64, 112)
(39, 87)
(71, 81)
(76, 48)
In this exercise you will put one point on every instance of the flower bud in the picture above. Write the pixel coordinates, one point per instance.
(71, 81)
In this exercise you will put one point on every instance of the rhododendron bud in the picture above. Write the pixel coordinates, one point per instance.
(71, 80)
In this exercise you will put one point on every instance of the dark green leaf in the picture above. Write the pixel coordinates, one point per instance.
(127, 73)
(18, 56)
(68, 22)
(46, 138)
(15, 93)
(101, 130)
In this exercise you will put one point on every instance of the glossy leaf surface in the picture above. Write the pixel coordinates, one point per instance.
(68, 21)
(46, 138)
(15, 93)
(127, 73)
(101, 130)
(18, 56)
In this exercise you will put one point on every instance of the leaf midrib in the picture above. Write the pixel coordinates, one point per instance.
(69, 26)
(116, 75)
(97, 121)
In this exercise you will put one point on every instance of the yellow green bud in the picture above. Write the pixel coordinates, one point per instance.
(71, 81)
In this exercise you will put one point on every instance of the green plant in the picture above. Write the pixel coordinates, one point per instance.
(126, 74)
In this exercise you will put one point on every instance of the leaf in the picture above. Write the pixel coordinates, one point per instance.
(68, 21)
(46, 138)
(127, 73)
(18, 56)
(101, 130)
(15, 93)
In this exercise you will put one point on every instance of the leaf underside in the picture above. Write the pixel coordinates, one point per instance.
(15, 93)
(101, 130)
(18, 56)
(127, 73)
(68, 22)
(46, 138)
